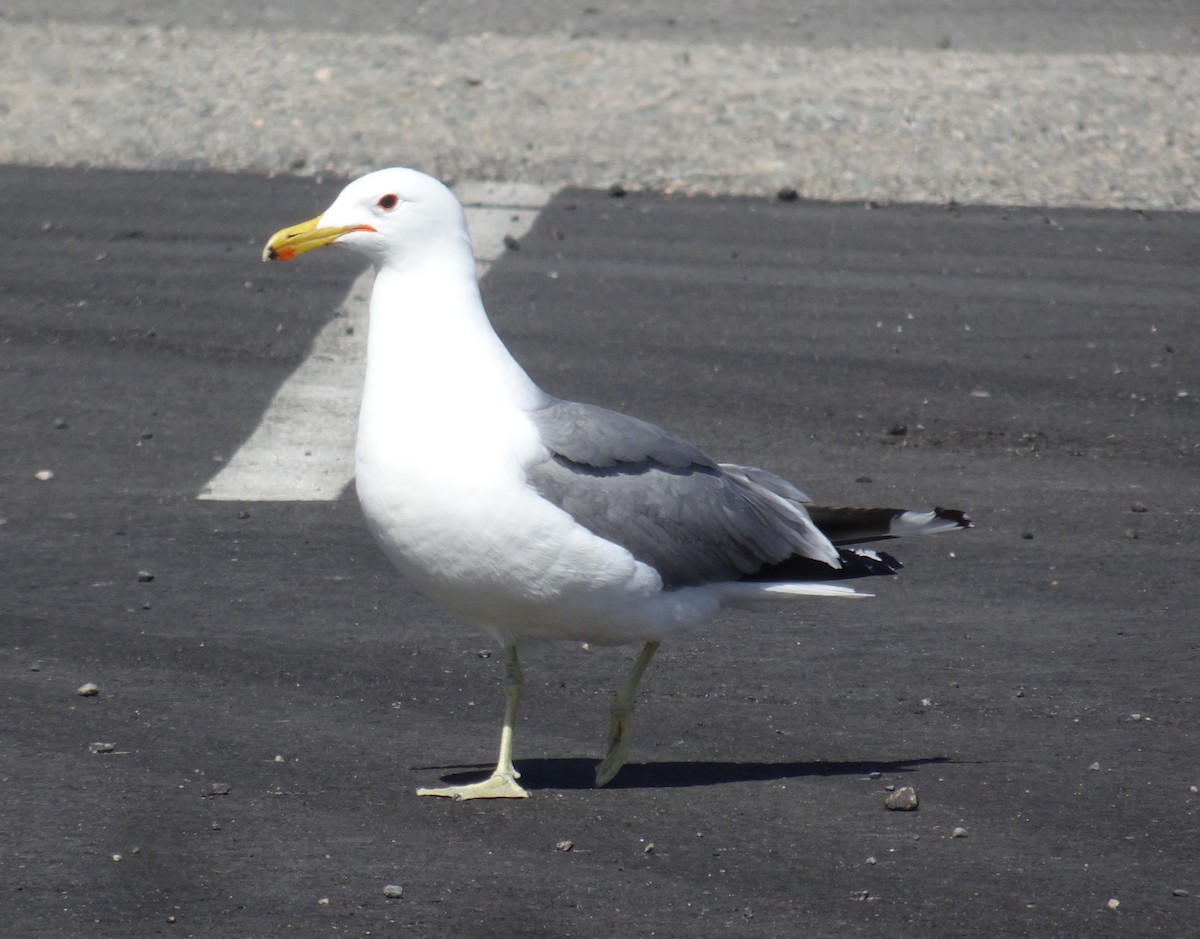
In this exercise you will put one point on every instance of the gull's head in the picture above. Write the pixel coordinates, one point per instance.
(385, 215)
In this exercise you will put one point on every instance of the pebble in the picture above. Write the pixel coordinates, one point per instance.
(959, 833)
(1113, 903)
(393, 891)
(44, 475)
(564, 846)
(144, 577)
(101, 746)
(903, 799)
(219, 789)
(1095, 767)
(1177, 892)
(89, 690)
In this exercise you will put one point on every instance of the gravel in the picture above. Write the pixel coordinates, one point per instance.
(849, 124)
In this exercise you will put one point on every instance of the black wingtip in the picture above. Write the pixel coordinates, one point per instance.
(855, 562)
(864, 562)
(954, 515)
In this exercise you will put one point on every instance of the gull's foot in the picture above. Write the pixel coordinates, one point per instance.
(619, 739)
(620, 732)
(496, 786)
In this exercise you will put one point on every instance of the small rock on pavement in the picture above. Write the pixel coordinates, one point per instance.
(101, 746)
(219, 789)
(959, 833)
(89, 690)
(564, 845)
(1113, 904)
(393, 891)
(903, 799)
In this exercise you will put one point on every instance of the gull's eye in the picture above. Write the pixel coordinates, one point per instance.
(388, 202)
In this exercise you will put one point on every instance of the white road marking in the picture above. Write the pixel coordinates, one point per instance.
(303, 448)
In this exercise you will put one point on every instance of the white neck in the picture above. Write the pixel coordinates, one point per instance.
(436, 370)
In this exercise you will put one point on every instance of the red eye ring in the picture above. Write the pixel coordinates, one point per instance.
(388, 202)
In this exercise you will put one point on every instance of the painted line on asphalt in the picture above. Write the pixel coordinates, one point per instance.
(303, 447)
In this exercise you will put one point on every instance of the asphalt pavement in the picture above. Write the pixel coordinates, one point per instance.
(1068, 26)
(270, 694)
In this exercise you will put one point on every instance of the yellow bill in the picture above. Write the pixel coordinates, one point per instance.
(286, 244)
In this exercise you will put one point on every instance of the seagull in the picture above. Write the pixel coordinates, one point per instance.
(541, 518)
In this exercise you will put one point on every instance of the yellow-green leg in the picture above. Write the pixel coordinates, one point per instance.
(502, 784)
(619, 730)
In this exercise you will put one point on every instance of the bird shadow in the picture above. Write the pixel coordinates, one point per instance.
(577, 773)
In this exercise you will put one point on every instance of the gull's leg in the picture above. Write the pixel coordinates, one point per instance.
(619, 737)
(502, 784)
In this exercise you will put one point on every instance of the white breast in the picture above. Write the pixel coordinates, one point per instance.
(444, 440)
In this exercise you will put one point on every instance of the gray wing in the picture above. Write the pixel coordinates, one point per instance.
(601, 439)
(667, 503)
